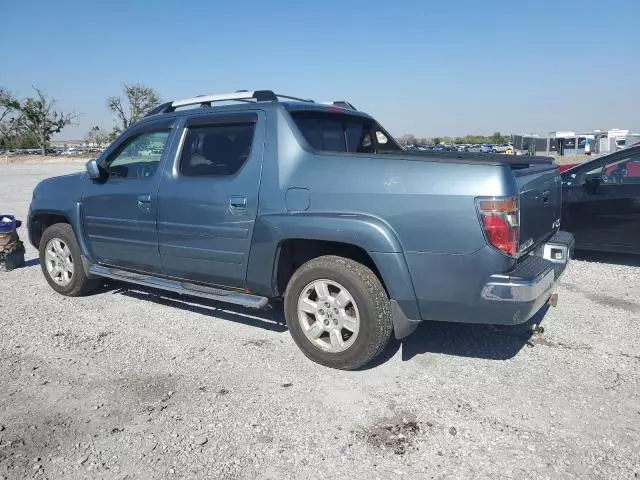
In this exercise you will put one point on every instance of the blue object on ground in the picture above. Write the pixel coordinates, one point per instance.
(7, 223)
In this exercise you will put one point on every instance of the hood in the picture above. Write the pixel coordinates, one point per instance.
(67, 186)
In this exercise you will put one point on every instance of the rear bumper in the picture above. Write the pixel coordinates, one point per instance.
(525, 289)
(535, 275)
(506, 288)
(462, 288)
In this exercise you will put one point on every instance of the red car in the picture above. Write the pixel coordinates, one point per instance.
(567, 167)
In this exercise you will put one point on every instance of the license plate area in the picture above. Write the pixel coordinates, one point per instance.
(555, 252)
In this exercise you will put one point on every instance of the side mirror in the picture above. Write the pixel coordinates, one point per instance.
(93, 169)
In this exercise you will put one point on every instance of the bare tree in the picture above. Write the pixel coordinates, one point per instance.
(42, 120)
(96, 136)
(138, 101)
(407, 139)
(10, 116)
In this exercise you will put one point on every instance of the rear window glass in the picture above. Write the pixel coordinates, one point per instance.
(331, 132)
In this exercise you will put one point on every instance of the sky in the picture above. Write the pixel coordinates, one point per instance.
(426, 67)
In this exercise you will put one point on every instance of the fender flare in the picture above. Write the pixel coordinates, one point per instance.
(73, 215)
(369, 233)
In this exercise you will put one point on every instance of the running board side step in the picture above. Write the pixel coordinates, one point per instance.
(183, 288)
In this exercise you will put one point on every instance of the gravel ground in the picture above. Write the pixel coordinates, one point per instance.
(127, 384)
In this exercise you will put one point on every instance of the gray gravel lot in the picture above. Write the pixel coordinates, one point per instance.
(127, 384)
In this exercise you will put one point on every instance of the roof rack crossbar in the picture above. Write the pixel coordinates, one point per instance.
(289, 97)
(239, 95)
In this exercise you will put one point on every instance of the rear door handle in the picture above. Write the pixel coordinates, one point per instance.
(144, 202)
(238, 202)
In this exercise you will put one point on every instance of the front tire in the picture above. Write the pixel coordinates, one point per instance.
(338, 312)
(61, 262)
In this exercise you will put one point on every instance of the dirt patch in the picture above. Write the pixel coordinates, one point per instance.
(69, 340)
(540, 340)
(396, 433)
(261, 342)
(603, 300)
(614, 302)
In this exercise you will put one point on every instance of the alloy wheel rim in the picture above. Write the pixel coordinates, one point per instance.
(328, 315)
(59, 262)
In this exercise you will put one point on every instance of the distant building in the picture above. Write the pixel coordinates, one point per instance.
(568, 142)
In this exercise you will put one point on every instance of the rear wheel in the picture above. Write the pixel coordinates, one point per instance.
(61, 262)
(338, 312)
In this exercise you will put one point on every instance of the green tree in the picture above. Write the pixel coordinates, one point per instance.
(23, 141)
(10, 116)
(137, 102)
(436, 140)
(497, 137)
(41, 120)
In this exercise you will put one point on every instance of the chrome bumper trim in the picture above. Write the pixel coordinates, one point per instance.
(502, 288)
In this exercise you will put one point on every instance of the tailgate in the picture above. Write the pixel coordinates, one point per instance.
(540, 203)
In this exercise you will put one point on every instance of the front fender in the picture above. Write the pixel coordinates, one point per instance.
(69, 214)
(58, 197)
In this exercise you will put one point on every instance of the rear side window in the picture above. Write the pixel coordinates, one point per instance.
(216, 150)
(335, 132)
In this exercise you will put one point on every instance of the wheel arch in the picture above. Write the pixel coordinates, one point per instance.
(40, 220)
(368, 240)
(292, 253)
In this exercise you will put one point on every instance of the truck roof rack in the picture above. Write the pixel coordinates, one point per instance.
(240, 96)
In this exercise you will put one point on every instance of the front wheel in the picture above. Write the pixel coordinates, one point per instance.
(61, 262)
(338, 312)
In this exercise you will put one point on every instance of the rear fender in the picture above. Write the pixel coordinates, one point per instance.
(368, 233)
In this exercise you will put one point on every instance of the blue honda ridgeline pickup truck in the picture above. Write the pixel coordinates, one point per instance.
(254, 196)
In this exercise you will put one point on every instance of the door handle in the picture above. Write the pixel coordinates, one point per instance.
(144, 202)
(238, 202)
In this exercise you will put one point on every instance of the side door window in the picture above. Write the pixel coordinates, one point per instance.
(139, 156)
(216, 150)
(622, 171)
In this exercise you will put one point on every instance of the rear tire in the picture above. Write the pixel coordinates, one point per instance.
(61, 262)
(338, 312)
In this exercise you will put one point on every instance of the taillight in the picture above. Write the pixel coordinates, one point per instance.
(500, 217)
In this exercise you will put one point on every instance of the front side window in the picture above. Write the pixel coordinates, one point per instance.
(139, 156)
(620, 171)
(336, 132)
(626, 170)
(216, 150)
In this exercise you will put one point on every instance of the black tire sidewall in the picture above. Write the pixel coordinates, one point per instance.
(79, 280)
(365, 346)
